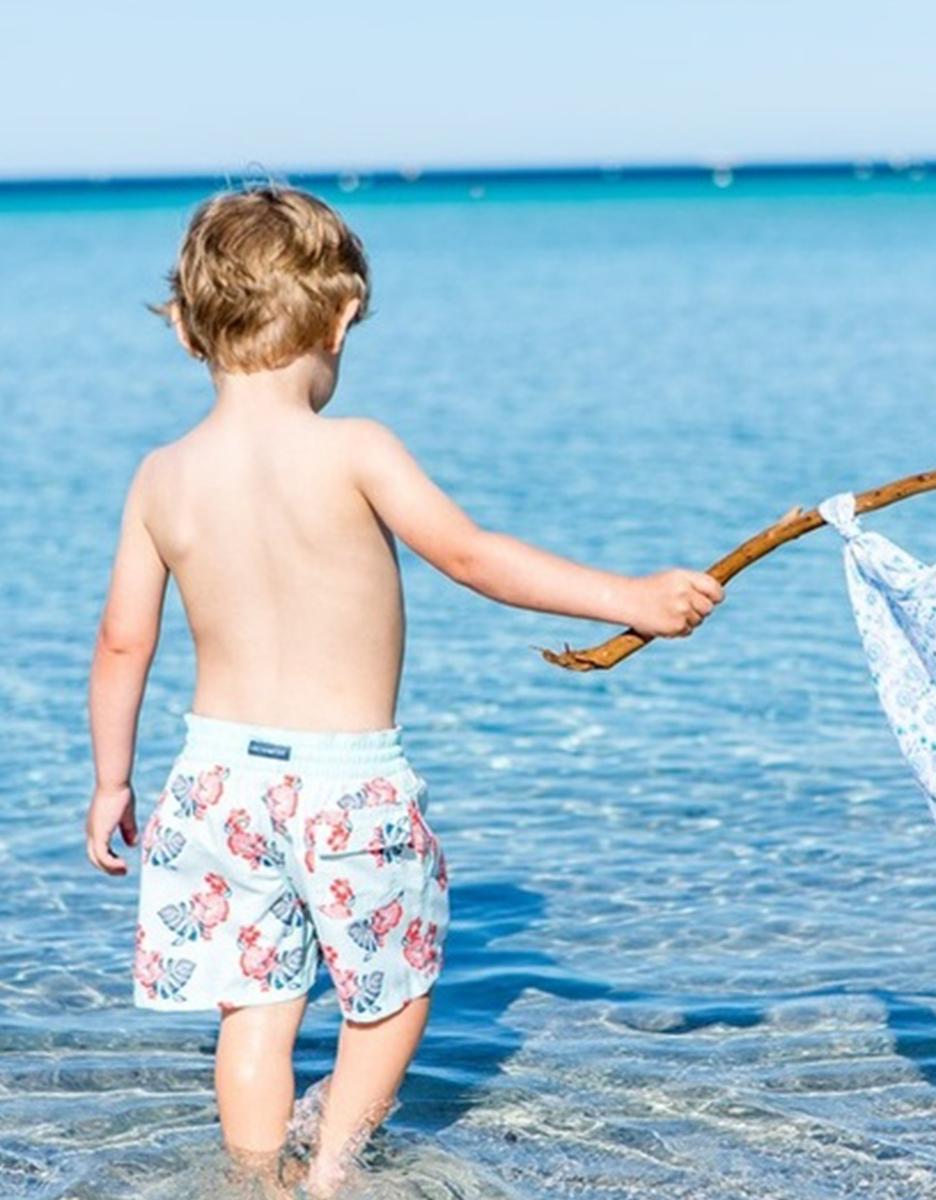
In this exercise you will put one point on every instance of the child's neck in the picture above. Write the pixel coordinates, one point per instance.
(307, 383)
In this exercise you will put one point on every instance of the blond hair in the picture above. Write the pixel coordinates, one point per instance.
(262, 277)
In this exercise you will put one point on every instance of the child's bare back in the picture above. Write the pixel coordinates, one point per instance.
(266, 854)
(289, 580)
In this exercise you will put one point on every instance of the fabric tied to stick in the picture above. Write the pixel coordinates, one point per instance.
(894, 601)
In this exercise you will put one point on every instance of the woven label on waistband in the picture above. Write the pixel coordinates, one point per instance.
(268, 749)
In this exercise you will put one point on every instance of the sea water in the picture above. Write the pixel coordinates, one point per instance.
(693, 951)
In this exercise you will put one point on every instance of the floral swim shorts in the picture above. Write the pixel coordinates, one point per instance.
(270, 849)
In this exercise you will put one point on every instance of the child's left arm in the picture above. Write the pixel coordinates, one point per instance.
(126, 642)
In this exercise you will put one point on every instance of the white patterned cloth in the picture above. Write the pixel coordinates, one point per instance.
(894, 600)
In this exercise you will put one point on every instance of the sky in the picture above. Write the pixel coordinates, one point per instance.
(99, 87)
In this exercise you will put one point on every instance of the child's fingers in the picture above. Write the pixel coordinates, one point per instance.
(128, 826)
(102, 857)
(691, 620)
(707, 585)
(701, 604)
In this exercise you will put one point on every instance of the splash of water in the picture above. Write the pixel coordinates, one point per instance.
(330, 1176)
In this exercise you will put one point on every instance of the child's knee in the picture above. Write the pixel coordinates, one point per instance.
(254, 1051)
(246, 1068)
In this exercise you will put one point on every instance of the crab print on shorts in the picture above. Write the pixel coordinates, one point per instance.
(254, 847)
(281, 800)
(271, 967)
(195, 794)
(341, 903)
(357, 994)
(371, 932)
(160, 978)
(199, 916)
(420, 949)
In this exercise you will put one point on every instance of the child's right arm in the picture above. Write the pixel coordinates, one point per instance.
(668, 604)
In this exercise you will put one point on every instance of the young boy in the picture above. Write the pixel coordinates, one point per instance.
(292, 827)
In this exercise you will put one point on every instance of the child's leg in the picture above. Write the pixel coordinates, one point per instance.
(254, 1076)
(369, 1068)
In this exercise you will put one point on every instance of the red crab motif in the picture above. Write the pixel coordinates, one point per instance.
(345, 980)
(419, 949)
(281, 800)
(211, 907)
(256, 961)
(379, 791)
(339, 828)
(423, 840)
(342, 899)
(147, 964)
(248, 845)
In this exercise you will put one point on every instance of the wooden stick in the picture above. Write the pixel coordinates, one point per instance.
(792, 525)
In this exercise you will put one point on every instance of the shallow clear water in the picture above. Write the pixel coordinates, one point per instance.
(693, 952)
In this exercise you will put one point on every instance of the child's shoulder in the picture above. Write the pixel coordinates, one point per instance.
(154, 460)
(361, 430)
(367, 441)
(362, 443)
(154, 467)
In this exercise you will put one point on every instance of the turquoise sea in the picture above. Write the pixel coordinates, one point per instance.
(693, 953)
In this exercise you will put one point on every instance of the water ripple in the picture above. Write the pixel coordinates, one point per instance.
(693, 905)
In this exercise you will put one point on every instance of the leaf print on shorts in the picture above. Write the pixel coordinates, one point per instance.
(161, 844)
(161, 979)
(253, 847)
(202, 914)
(355, 995)
(290, 908)
(368, 992)
(370, 932)
(374, 793)
(390, 842)
(194, 795)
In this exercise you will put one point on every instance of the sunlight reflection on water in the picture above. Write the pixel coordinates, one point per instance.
(692, 898)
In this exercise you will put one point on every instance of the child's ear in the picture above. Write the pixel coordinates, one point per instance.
(174, 317)
(343, 323)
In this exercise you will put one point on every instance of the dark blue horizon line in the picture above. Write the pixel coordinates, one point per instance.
(474, 175)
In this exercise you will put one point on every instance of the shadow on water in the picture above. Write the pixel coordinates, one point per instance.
(467, 1041)
(911, 1022)
(913, 1025)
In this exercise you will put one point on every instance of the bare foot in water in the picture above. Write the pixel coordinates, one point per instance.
(268, 1169)
(332, 1155)
(326, 1178)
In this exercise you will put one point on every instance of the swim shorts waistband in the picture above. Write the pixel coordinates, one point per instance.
(259, 744)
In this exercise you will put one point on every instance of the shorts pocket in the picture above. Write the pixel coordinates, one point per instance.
(423, 845)
(373, 817)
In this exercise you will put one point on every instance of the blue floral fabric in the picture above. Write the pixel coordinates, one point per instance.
(894, 599)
